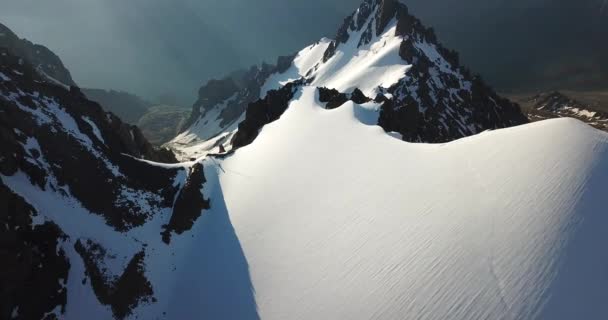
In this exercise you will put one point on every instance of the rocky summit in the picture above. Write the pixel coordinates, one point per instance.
(381, 51)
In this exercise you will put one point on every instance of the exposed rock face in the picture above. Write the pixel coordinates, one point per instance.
(358, 97)
(556, 105)
(264, 111)
(88, 148)
(34, 268)
(219, 109)
(233, 94)
(211, 94)
(65, 156)
(332, 97)
(122, 293)
(38, 56)
(438, 100)
(189, 204)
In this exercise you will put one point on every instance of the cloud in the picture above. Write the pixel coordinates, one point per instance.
(151, 47)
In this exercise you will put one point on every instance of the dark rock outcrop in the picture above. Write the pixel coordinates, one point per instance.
(357, 96)
(234, 93)
(332, 97)
(61, 140)
(211, 94)
(34, 269)
(264, 111)
(38, 56)
(122, 293)
(385, 11)
(189, 204)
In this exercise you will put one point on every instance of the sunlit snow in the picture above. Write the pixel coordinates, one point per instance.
(324, 217)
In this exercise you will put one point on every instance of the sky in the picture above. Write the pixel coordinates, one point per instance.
(155, 47)
(159, 46)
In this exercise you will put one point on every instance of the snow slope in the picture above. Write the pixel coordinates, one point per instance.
(205, 135)
(304, 61)
(324, 217)
(366, 67)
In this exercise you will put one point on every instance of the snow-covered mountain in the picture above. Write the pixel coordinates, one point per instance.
(557, 105)
(318, 209)
(129, 107)
(220, 108)
(73, 188)
(382, 52)
(40, 57)
(325, 216)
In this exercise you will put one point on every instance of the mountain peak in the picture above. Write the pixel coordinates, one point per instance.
(47, 63)
(372, 17)
(390, 56)
(375, 15)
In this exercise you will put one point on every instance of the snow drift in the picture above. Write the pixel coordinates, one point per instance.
(338, 220)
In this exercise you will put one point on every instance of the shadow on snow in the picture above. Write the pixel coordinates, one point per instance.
(213, 281)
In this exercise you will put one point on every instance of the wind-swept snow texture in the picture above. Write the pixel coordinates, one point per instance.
(324, 217)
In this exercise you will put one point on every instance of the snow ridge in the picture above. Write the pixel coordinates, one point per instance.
(390, 242)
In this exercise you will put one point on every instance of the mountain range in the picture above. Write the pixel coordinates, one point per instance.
(591, 109)
(559, 44)
(158, 121)
(368, 176)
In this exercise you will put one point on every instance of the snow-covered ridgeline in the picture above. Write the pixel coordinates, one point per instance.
(326, 217)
